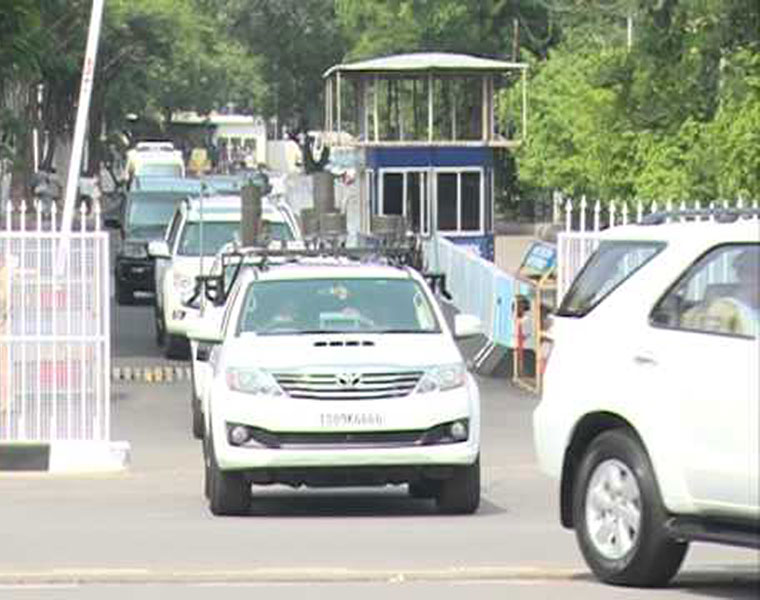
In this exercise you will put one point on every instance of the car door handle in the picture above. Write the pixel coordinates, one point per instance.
(644, 358)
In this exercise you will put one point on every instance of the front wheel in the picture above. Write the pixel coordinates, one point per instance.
(228, 492)
(158, 321)
(460, 493)
(619, 516)
(125, 296)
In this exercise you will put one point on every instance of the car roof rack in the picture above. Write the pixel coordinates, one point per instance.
(718, 214)
(217, 287)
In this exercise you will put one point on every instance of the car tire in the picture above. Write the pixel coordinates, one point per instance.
(228, 492)
(158, 322)
(619, 517)
(460, 494)
(125, 295)
(197, 415)
(176, 346)
(424, 488)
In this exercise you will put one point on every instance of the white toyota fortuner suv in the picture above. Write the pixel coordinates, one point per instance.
(335, 372)
(649, 414)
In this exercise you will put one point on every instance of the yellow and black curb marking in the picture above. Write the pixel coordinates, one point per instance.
(155, 374)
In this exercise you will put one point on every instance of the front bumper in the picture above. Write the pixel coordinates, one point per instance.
(136, 273)
(383, 438)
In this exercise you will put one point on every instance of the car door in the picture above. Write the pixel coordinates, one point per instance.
(707, 372)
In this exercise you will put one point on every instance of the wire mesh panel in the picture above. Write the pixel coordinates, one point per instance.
(54, 332)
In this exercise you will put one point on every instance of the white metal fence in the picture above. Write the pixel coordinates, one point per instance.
(54, 328)
(583, 220)
(477, 287)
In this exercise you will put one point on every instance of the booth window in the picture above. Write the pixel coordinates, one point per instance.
(459, 201)
(447, 201)
(393, 194)
(470, 202)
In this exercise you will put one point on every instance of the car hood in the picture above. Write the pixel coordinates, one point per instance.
(338, 351)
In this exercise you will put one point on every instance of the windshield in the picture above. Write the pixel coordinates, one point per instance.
(277, 231)
(337, 306)
(215, 235)
(151, 211)
(611, 264)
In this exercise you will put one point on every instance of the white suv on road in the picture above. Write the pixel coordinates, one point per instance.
(649, 414)
(335, 372)
(199, 228)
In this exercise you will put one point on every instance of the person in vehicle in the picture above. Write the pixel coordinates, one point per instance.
(737, 309)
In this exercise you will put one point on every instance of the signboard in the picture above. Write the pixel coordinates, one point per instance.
(539, 259)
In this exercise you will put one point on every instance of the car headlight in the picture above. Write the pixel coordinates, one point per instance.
(134, 250)
(441, 378)
(184, 284)
(252, 381)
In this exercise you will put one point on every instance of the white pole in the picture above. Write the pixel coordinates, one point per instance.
(85, 92)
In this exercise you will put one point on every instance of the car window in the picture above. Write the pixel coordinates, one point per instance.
(206, 239)
(150, 210)
(337, 305)
(720, 293)
(612, 263)
(277, 231)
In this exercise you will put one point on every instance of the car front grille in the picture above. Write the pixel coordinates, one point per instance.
(348, 385)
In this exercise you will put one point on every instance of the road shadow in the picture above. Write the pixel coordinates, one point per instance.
(734, 582)
(382, 502)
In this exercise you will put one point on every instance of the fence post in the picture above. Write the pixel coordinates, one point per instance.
(568, 215)
(583, 213)
(597, 214)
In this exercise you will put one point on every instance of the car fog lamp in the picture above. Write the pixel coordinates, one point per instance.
(238, 435)
(458, 431)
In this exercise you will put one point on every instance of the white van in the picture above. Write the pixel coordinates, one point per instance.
(154, 159)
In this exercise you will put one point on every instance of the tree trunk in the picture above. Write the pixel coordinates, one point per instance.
(21, 171)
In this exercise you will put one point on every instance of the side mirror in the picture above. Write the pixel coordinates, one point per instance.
(205, 332)
(159, 249)
(467, 326)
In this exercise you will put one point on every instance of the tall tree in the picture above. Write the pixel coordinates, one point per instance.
(296, 40)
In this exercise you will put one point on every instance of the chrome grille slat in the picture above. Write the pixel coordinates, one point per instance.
(326, 386)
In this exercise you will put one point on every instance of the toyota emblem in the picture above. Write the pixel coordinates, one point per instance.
(348, 380)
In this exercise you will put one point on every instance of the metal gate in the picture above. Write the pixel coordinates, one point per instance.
(54, 329)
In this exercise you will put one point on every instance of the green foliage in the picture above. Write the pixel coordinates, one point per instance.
(676, 116)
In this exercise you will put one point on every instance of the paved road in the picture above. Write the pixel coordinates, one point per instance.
(147, 533)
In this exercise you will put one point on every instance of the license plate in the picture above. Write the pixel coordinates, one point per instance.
(341, 420)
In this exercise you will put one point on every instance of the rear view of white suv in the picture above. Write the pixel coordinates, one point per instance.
(649, 415)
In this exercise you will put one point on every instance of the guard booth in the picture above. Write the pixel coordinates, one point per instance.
(423, 130)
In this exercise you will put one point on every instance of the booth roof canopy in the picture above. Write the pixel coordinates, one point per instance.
(426, 62)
